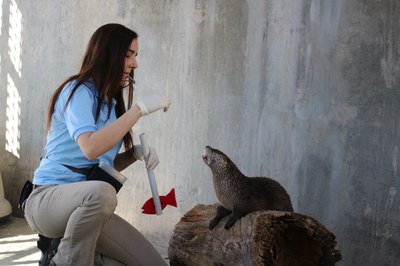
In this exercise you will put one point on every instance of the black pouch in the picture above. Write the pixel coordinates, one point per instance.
(25, 192)
(100, 175)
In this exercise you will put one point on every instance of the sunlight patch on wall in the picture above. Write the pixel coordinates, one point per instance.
(13, 114)
(1, 16)
(15, 37)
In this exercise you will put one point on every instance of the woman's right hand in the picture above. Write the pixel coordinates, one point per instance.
(153, 103)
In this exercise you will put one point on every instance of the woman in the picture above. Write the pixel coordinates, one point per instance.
(87, 122)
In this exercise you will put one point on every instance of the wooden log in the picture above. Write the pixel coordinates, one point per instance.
(259, 238)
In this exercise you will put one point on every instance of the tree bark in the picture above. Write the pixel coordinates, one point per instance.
(259, 238)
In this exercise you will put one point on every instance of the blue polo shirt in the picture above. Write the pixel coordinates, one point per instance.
(66, 126)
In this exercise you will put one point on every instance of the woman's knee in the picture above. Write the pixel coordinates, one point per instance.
(103, 195)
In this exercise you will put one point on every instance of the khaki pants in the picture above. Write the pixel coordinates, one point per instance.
(83, 213)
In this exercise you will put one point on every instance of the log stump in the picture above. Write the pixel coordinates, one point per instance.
(259, 238)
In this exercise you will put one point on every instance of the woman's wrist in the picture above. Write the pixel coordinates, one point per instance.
(134, 113)
(136, 110)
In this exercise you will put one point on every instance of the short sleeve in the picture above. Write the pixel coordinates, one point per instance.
(79, 116)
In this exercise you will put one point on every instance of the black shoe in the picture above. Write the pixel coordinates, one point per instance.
(49, 247)
(52, 263)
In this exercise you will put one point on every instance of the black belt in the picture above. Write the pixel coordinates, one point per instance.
(84, 171)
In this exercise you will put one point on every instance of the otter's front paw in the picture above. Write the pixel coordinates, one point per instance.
(228, 225)
(231, 221)
(213, 222)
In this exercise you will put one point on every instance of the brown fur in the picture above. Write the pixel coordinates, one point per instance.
(240, 194)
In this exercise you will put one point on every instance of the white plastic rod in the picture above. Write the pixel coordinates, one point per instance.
(150, 174)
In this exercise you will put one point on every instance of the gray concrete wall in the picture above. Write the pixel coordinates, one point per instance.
(303, 91)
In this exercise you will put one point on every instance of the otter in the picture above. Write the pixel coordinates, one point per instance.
(239, 194)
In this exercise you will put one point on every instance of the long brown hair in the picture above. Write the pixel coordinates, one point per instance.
(103, 62)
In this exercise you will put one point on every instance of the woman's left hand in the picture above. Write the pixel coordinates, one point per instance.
(152, 160)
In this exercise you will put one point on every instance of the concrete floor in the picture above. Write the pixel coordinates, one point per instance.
(18, 243)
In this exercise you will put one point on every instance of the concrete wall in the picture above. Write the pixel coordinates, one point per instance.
(303, 91)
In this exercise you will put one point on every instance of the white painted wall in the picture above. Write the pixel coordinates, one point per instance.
(302, 91)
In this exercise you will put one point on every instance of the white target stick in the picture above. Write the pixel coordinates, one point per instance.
(150, 174)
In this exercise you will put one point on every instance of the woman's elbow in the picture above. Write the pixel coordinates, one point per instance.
(88, 150)
(90, 155)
